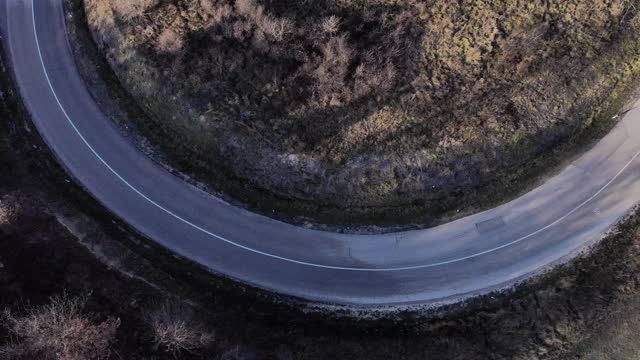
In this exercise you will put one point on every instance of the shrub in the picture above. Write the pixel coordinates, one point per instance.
(330, 25)
(170, 41)
(276, 28)
(217, 11)
(59, 331)
(128, 9)
(11, 205)
(175, 329)
(4, 214)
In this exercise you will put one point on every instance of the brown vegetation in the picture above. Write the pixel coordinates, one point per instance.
(128, 9)
(176, 330)
(58, 331)
(369, 104)
(39, 257)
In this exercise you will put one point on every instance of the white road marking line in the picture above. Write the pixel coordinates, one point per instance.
(416, 267)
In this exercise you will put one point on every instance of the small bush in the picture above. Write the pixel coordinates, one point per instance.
(11, 205)
(58, 331)
(170, 42)
(175, 329)
(4, 214)
(129, 9)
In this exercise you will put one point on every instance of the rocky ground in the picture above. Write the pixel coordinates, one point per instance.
(365, 112)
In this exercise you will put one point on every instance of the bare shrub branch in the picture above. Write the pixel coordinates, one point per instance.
(175, 329)
(59, 331)
(330, 25)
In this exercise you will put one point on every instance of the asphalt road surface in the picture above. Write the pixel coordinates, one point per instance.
(469, 256)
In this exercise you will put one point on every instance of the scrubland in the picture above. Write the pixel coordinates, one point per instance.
(370, 110)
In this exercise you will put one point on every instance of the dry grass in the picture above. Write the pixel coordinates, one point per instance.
(319, 56)
(58, 331)
(128, 9)
(176, 330)
(369, 104)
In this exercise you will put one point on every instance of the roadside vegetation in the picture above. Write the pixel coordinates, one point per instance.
(58, 331)
(364, 111)
(176, 329)
(55, 248)
(57, 245)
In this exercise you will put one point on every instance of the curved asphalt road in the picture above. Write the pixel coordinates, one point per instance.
(468, 256)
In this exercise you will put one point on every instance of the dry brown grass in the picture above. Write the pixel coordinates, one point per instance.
(58, 331)
(370, 104)
(319, 59)
(128, 9)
